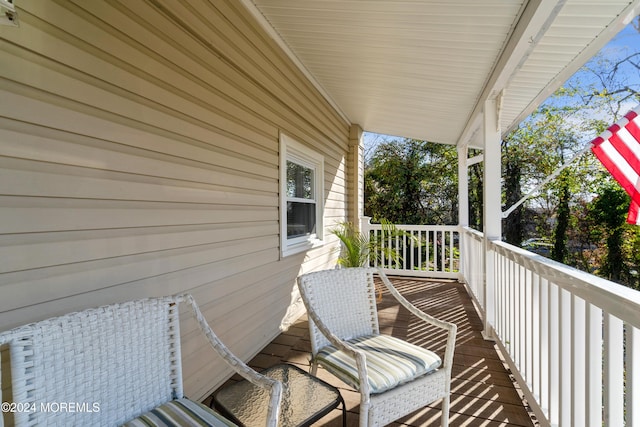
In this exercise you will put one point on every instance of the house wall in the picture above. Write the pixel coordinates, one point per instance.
(139, 157)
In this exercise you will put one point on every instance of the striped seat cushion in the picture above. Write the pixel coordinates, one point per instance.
(180, 412)
(390, 362)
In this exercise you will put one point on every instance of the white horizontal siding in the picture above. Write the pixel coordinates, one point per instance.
(139, 156)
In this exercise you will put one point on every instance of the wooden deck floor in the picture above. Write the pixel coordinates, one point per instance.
(482, 394)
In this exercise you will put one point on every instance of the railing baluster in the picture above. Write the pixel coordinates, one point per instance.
(545, 348)
(383, 245)
(508, 306)
(437, 255)
(578, 371)
(436, 250)
(554, 354)
(404, 252)
(441, 253)
(379, 255)
(508, 282)
(413, 248)
(373, 258)
(444, 252)
(593, 360)
(439, 239)
(396, 265)
(446, 249)
(390, 246)
(522, 306)
(632, 365)
(433, 253)
(613, 371)
(500, 295)
(428, 252)
(565, 340)
(437, 244)
(528, 340)
(515, 316)
(426, 246)
(513, 313)
(452, 247)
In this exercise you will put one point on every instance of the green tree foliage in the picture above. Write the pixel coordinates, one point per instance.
(531, 153)
(513, 229)
(476, 195)
(560, 252)
(408, 181)
(583, 210)
(609, 209)
(631, 249)
(583, 207)
(619, 259)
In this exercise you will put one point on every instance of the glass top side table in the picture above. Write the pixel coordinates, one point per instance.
(305, 399)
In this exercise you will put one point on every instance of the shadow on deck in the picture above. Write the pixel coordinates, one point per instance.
(482, 391)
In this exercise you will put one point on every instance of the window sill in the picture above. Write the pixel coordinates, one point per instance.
(301, 247)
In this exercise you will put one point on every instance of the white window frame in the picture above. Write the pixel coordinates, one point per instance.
(291, 150)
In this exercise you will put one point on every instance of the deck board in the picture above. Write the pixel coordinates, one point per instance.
(482, 391)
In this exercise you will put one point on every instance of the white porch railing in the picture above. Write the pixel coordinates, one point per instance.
(425, 250)
(572, 339)
(472, 255)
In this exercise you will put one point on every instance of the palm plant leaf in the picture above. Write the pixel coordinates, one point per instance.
(355, 245)
(357, 248)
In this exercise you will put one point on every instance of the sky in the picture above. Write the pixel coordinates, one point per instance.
(623, 44)
(628, 37)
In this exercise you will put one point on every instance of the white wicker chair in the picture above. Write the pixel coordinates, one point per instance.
(345, 340)
(109, 365)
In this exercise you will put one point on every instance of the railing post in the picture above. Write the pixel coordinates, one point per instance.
(463, 207)
(492, 208)
(364, 226)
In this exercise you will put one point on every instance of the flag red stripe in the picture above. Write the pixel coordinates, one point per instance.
(633, 128)
(617, 173)
(632, 216)
(626, 152)
(621, 158)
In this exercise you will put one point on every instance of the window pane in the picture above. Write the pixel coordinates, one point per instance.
(299, 181)
(301, 219)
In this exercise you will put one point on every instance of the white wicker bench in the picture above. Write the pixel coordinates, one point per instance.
(109, 365)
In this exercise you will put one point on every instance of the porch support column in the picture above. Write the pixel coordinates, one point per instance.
(355, 176)
(463, 206)
(492, 207)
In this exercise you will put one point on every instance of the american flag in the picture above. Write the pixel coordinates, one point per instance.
(618, 148)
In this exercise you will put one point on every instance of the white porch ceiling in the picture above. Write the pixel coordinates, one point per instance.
(423, 68)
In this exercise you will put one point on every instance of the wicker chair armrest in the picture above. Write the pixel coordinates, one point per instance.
(274, 387)
(451, 328)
